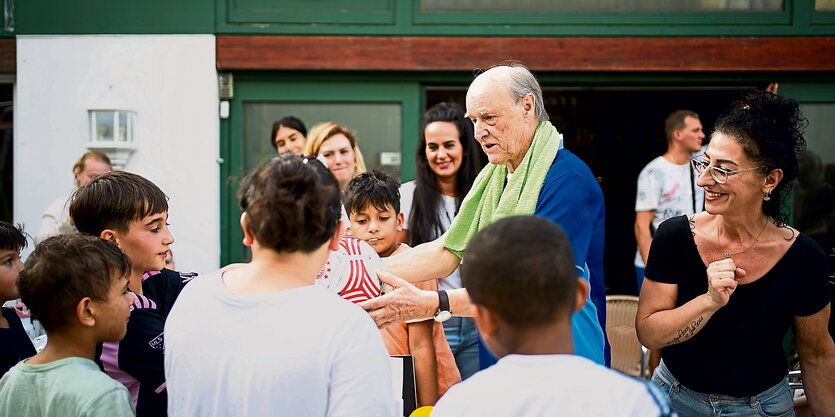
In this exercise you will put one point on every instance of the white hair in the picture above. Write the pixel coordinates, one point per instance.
(520, 82)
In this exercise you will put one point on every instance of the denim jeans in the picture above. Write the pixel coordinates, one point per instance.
(773, 402)
(639, 276)
(462, 337)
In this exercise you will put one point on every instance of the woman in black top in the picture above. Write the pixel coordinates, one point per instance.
(724, 286)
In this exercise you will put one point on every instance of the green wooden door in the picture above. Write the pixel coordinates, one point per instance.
(811, 202)
(384, 116)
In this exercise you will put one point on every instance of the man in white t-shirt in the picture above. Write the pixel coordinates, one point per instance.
(667, 185)
(260, 339)
(519, 273)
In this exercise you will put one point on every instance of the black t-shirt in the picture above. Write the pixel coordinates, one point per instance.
(739, 351)
(15, 345)
(137, 361)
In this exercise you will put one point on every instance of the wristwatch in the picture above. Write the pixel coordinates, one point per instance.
(443, 314)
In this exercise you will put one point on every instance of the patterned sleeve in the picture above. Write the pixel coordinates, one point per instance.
(647, 196)
(141, 351)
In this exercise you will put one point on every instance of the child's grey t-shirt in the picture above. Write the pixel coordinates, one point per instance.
(65, 388)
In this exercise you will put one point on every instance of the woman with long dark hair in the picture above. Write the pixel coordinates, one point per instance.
(448, 160)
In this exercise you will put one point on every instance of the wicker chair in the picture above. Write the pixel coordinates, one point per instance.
(628, 355)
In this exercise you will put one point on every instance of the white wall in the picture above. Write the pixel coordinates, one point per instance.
(171, 84)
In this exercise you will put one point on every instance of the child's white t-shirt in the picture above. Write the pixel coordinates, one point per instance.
(298, 352)
(549, 385)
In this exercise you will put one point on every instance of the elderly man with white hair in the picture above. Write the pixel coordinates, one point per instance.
(529, 174)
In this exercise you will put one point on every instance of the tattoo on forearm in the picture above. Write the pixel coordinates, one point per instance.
(687, 332)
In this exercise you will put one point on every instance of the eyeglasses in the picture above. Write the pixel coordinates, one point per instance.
(720, 175)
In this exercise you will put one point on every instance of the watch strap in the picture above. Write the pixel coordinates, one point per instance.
(443, 301)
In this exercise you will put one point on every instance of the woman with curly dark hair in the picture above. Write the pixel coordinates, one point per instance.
(447, 159)
(724, 286)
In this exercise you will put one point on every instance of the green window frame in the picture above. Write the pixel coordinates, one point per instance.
(266, 88)
(604, 18)
(370, 12)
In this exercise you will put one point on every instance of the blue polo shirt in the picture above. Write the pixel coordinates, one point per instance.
(572, 198)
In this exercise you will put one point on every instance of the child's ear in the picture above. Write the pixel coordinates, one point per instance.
(485, 321)
(489, 328)
(84, 312)
(109, 235)
(249, 237)
(399, 222)
(582, 293)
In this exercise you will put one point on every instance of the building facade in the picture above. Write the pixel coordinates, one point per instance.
(205, 79)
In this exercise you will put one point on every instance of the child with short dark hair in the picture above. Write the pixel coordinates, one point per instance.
(520, 275)
(132, 212)
(372, 200)
(15, 345)
(77, 287)
(260, 338)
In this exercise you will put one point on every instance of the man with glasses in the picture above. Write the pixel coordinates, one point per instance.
(667, 185)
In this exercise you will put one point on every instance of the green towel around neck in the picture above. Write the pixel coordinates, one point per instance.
(490, 200)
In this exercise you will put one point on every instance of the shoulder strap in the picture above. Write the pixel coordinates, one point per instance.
(692, 187)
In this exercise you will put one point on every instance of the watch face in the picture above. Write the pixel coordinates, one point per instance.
(442, 316)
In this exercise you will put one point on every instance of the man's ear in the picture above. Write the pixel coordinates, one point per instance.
(582, 294)
(399, 222)
(84, 312)
(529, 104)
(333, 244)
(677, 135)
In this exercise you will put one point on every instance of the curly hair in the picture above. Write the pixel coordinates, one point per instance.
(770, 130)
(292, 203)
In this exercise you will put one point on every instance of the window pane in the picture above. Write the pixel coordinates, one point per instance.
(104, 126)
(825, 5)
(602, 6)
(377, 127)
(814, 188)
(819, 133)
